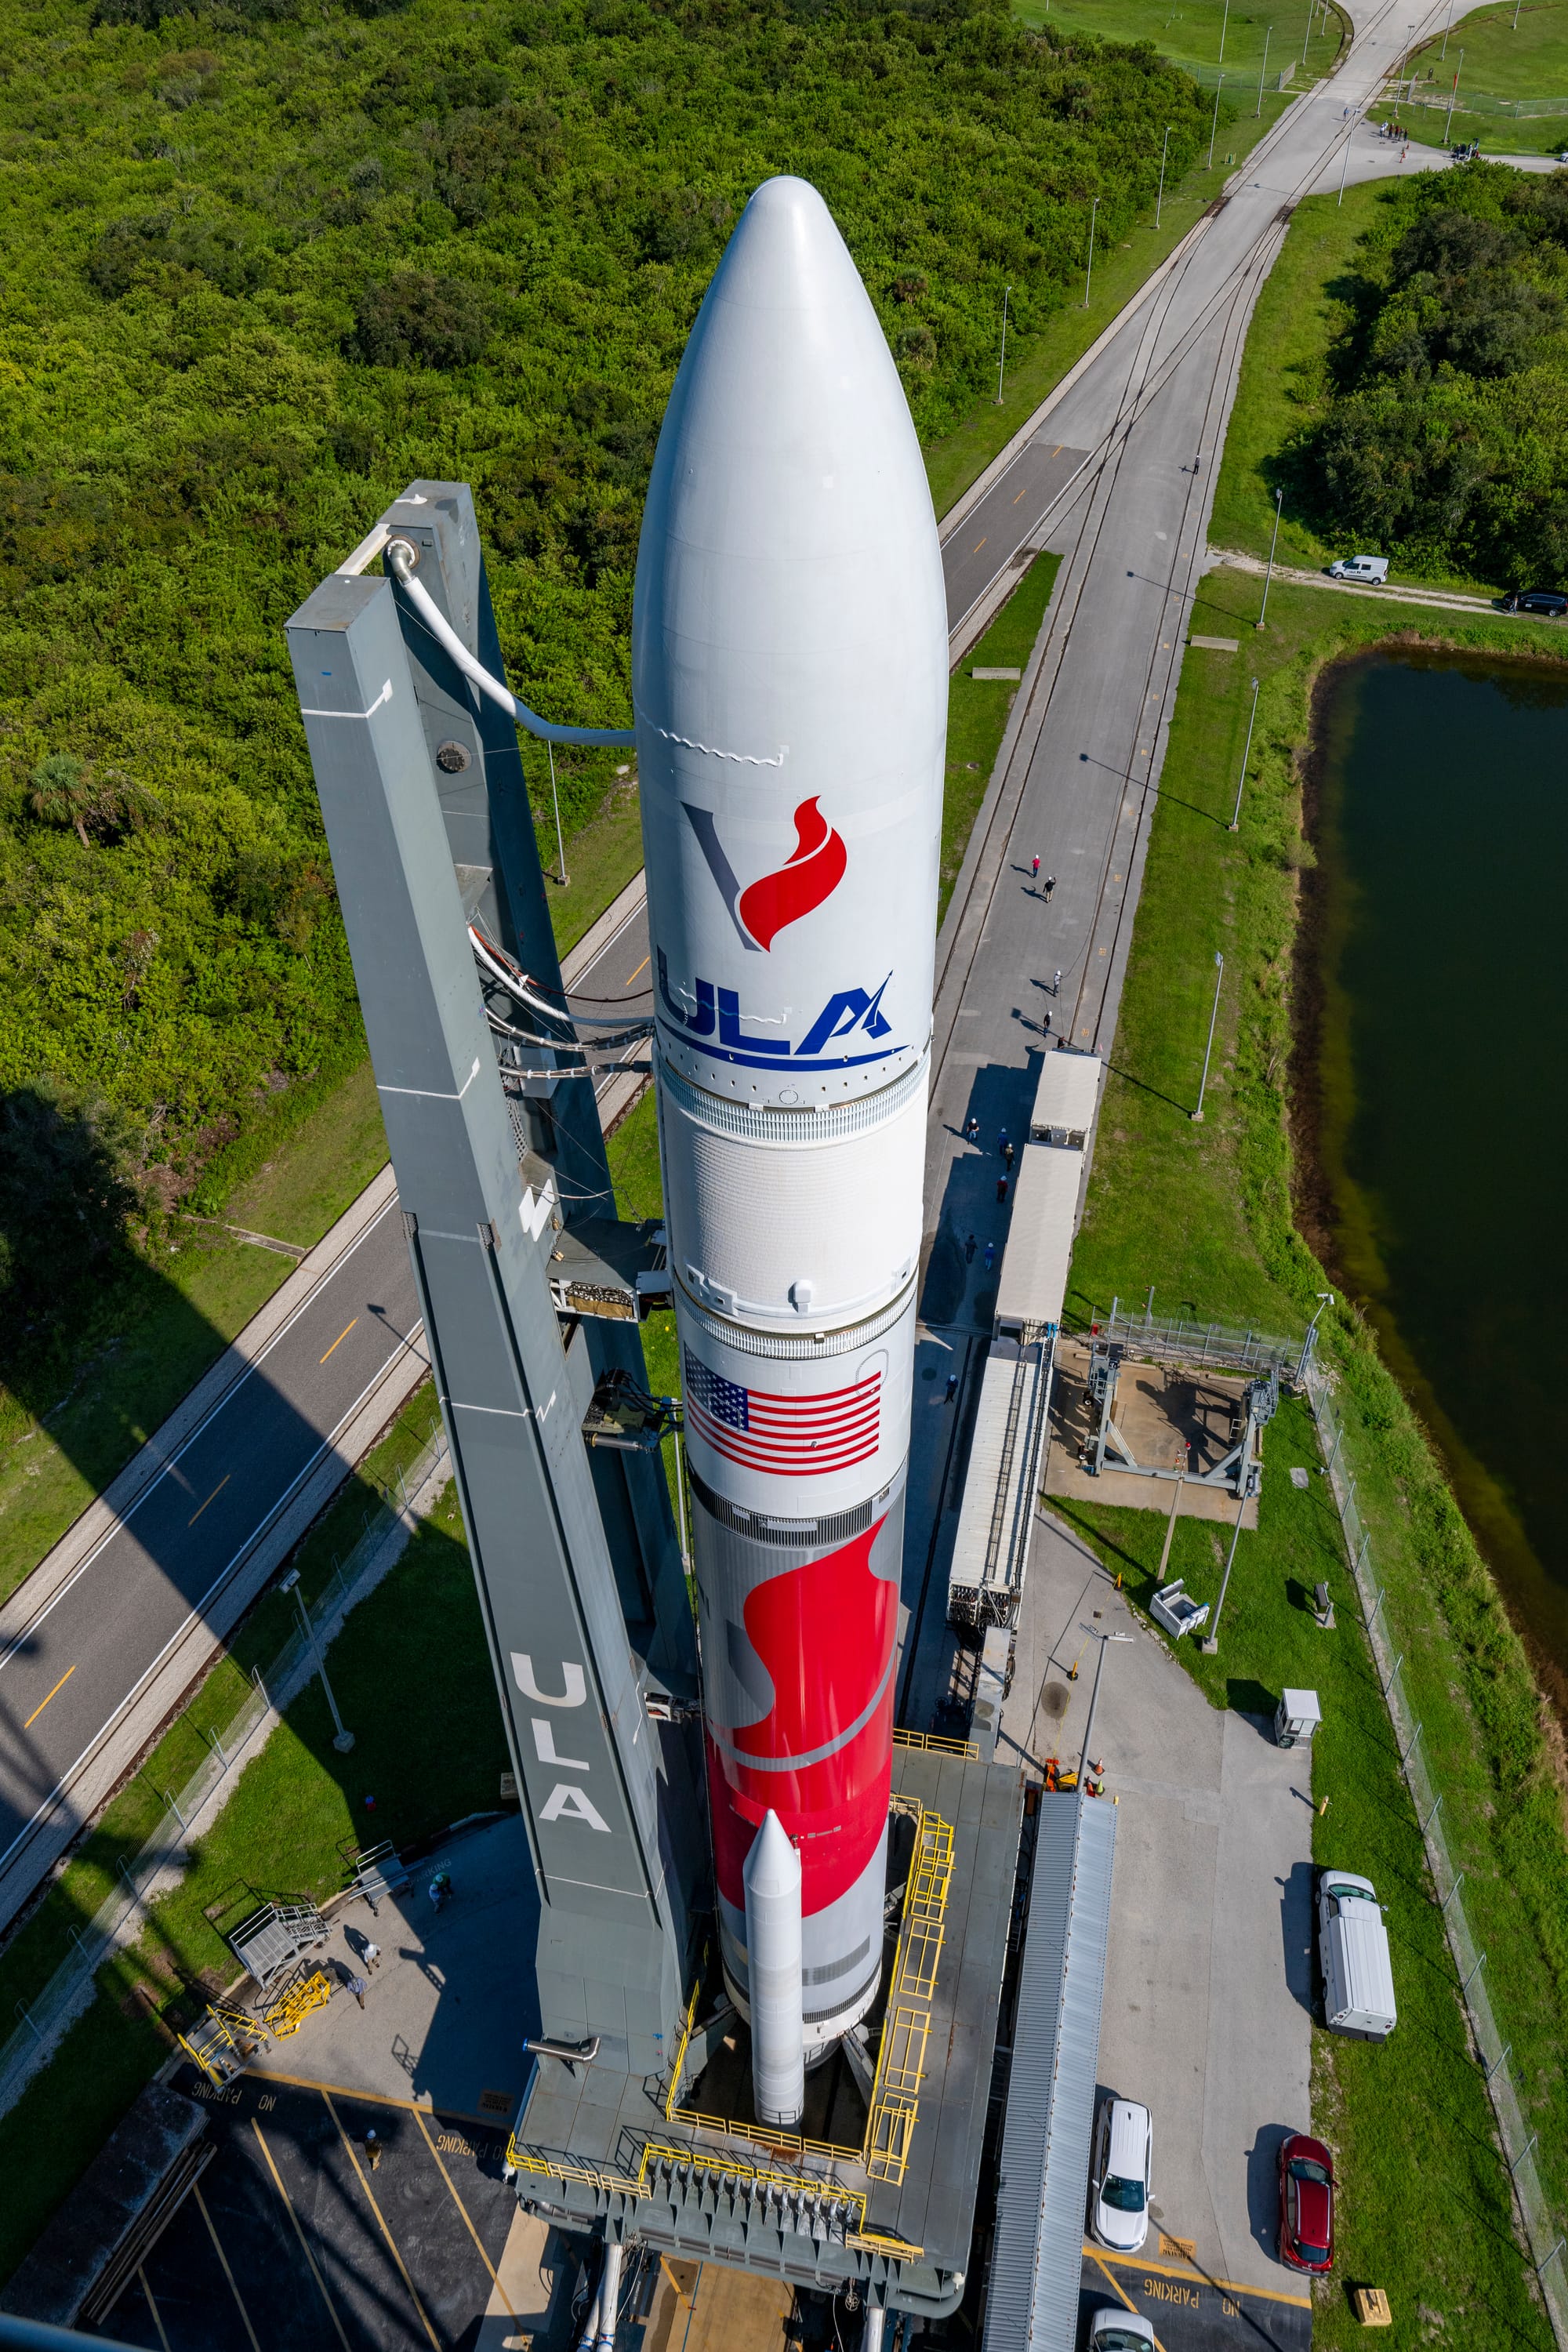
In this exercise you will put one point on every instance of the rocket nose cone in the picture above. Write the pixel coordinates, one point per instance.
(789, 584)
(773, 1866)
(787, 254)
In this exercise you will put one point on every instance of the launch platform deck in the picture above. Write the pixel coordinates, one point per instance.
(898, 2211)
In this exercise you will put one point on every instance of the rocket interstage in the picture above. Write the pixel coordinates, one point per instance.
(789, 682)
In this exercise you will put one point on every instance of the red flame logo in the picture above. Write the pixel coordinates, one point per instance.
(811, 876)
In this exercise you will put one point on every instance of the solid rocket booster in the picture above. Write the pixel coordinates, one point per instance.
(774, 1975)
(789, 682)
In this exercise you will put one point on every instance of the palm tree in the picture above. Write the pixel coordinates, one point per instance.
(63, 793)
(66, 790)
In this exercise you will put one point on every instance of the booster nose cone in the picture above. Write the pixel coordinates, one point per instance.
(772, 1880)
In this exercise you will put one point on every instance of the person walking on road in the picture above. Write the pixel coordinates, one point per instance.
(1035, 869)
(972, 1128)
(359, 1988)
(1007, 1148)
(991, 1252)
(1051, 886)
(1001, 1142)
(1001, 1195)
(951, 1386)
(373, 1957)
(968, 1251)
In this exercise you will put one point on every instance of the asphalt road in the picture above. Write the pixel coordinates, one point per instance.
(1003, 522)
(72, 1666)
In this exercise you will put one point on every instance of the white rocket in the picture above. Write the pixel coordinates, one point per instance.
(789, 683)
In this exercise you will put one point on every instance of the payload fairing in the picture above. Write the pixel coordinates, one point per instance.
(789, 683)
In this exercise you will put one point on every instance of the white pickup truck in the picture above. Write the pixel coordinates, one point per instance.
(1373, 569)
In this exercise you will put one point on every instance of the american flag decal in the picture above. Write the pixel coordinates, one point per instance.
(787, 1436)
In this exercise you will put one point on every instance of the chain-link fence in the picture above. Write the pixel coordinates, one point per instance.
(118, 1919)
(1477, 102)
(1227, 1346)
(1548, 2249)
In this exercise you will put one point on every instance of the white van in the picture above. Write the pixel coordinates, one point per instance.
(1373, 569)
(1353, 1955)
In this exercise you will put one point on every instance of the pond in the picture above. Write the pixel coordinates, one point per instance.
(1442, 956)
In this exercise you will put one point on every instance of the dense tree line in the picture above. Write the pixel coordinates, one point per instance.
(1444, 440)
(264, 261)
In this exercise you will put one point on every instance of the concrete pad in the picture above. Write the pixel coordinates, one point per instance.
(1206, 2016)
(450, 1998)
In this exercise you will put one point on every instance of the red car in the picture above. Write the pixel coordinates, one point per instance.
(1306, 2204)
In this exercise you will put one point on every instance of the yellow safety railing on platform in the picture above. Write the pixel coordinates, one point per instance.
(930, 1743)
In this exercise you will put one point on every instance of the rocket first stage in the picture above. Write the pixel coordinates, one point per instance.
(789, 683)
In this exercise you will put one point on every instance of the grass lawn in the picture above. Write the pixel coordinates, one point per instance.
(414, 1650)
(1424, 2205)
(954, 461)
(1191, 33)
(1302, 307)
(1204, 1215)
(1502, 61)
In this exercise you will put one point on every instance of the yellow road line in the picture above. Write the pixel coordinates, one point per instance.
(464, 2211)
(299, 2233)
(43, 1702)
(641, 968)
(157, 2315)
(1201, 2278)
(391, 2240)
(217, 2249)
(211, 1499)
(1116, 2289)
(978, 545)
(337, 1342)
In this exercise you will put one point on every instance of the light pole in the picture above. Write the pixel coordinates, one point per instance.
(1447, 28)
(1262, 72)
(1453, 95)
(1089, 279)
(345, 1740)
(1344, 167)
(1001, 362)
(1312, 12)
(1325, 1298)
(1252, 720)
(1211, 1640)
(1160, 197)
(1104, 1639)
(1273, 543)
(1208, 1049)
(1224, 21)
(1214, 127)
(556, 803)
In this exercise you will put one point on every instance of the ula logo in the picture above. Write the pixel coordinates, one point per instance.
(716, 1013)
(767, 905)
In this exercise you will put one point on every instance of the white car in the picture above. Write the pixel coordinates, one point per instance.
(1373, 569)
(1119, 2175)
(1120, 2331)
